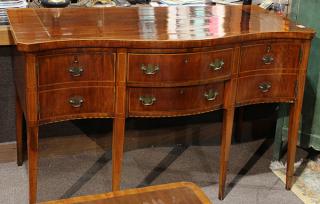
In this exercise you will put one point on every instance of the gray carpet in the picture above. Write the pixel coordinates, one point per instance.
(89, 172)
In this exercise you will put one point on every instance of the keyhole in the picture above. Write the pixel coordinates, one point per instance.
(268, 48)
(75, 59)
(186, 60)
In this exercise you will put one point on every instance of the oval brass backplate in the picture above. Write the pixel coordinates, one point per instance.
(76, 101)
(211, 95)
(150, 69)
(217, 64)
(147, 100)
(265, 87)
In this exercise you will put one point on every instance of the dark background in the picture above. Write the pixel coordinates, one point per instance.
(7, 97)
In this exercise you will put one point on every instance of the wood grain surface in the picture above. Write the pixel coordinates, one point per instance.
(184, 67)
(75, 67)
(5, 36)
(173, 193)
(175, 101)
(170, 27)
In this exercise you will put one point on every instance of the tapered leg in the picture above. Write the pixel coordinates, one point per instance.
(117, 151)
(225, 148)
(19, 132)
(32, 134)
(293, 128)
(119, 120)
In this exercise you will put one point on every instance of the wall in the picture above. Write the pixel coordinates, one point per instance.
(306, 12)
(308, 15)
(7, 97)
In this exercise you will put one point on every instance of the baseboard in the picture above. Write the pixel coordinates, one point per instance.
(313, 139)
(8, 152)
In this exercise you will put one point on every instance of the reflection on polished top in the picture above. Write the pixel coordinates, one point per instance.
(138, 26)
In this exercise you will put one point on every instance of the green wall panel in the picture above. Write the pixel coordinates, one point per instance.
(307, 13)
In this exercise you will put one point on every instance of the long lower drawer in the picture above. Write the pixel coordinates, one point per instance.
(175, 101)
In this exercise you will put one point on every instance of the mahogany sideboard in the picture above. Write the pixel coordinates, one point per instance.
(154, 62)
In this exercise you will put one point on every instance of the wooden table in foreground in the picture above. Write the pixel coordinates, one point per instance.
(173, 193)
(154, 62)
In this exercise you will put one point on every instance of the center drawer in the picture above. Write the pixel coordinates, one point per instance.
(175, 101)
(182, 67)
(79, 102)
(75, 67)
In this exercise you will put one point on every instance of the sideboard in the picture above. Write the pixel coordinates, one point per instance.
(154, 62)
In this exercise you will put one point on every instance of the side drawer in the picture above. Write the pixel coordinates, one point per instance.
(269, 56)
(76, 103)
(183, 67)
(175, 101)
(75, 67)
(266, 88)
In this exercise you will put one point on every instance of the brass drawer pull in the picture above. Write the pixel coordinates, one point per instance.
(267, 59)
(150, 69)
(211, 95)
(147, 100)
(216, 65)
(76, 101)
(265, 87)
(76, 71)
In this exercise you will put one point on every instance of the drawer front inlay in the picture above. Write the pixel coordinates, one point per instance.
(77, 67)
(269, 56)
(76, 102)
(175, 101)
(183, 67)
(266, 88)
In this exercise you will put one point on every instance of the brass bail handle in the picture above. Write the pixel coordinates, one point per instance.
(147, 100)
(150, 69)
(216, 65)
(211, 95)
(75, 70)
(265, 87)
(76, 101)
(267, 59)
